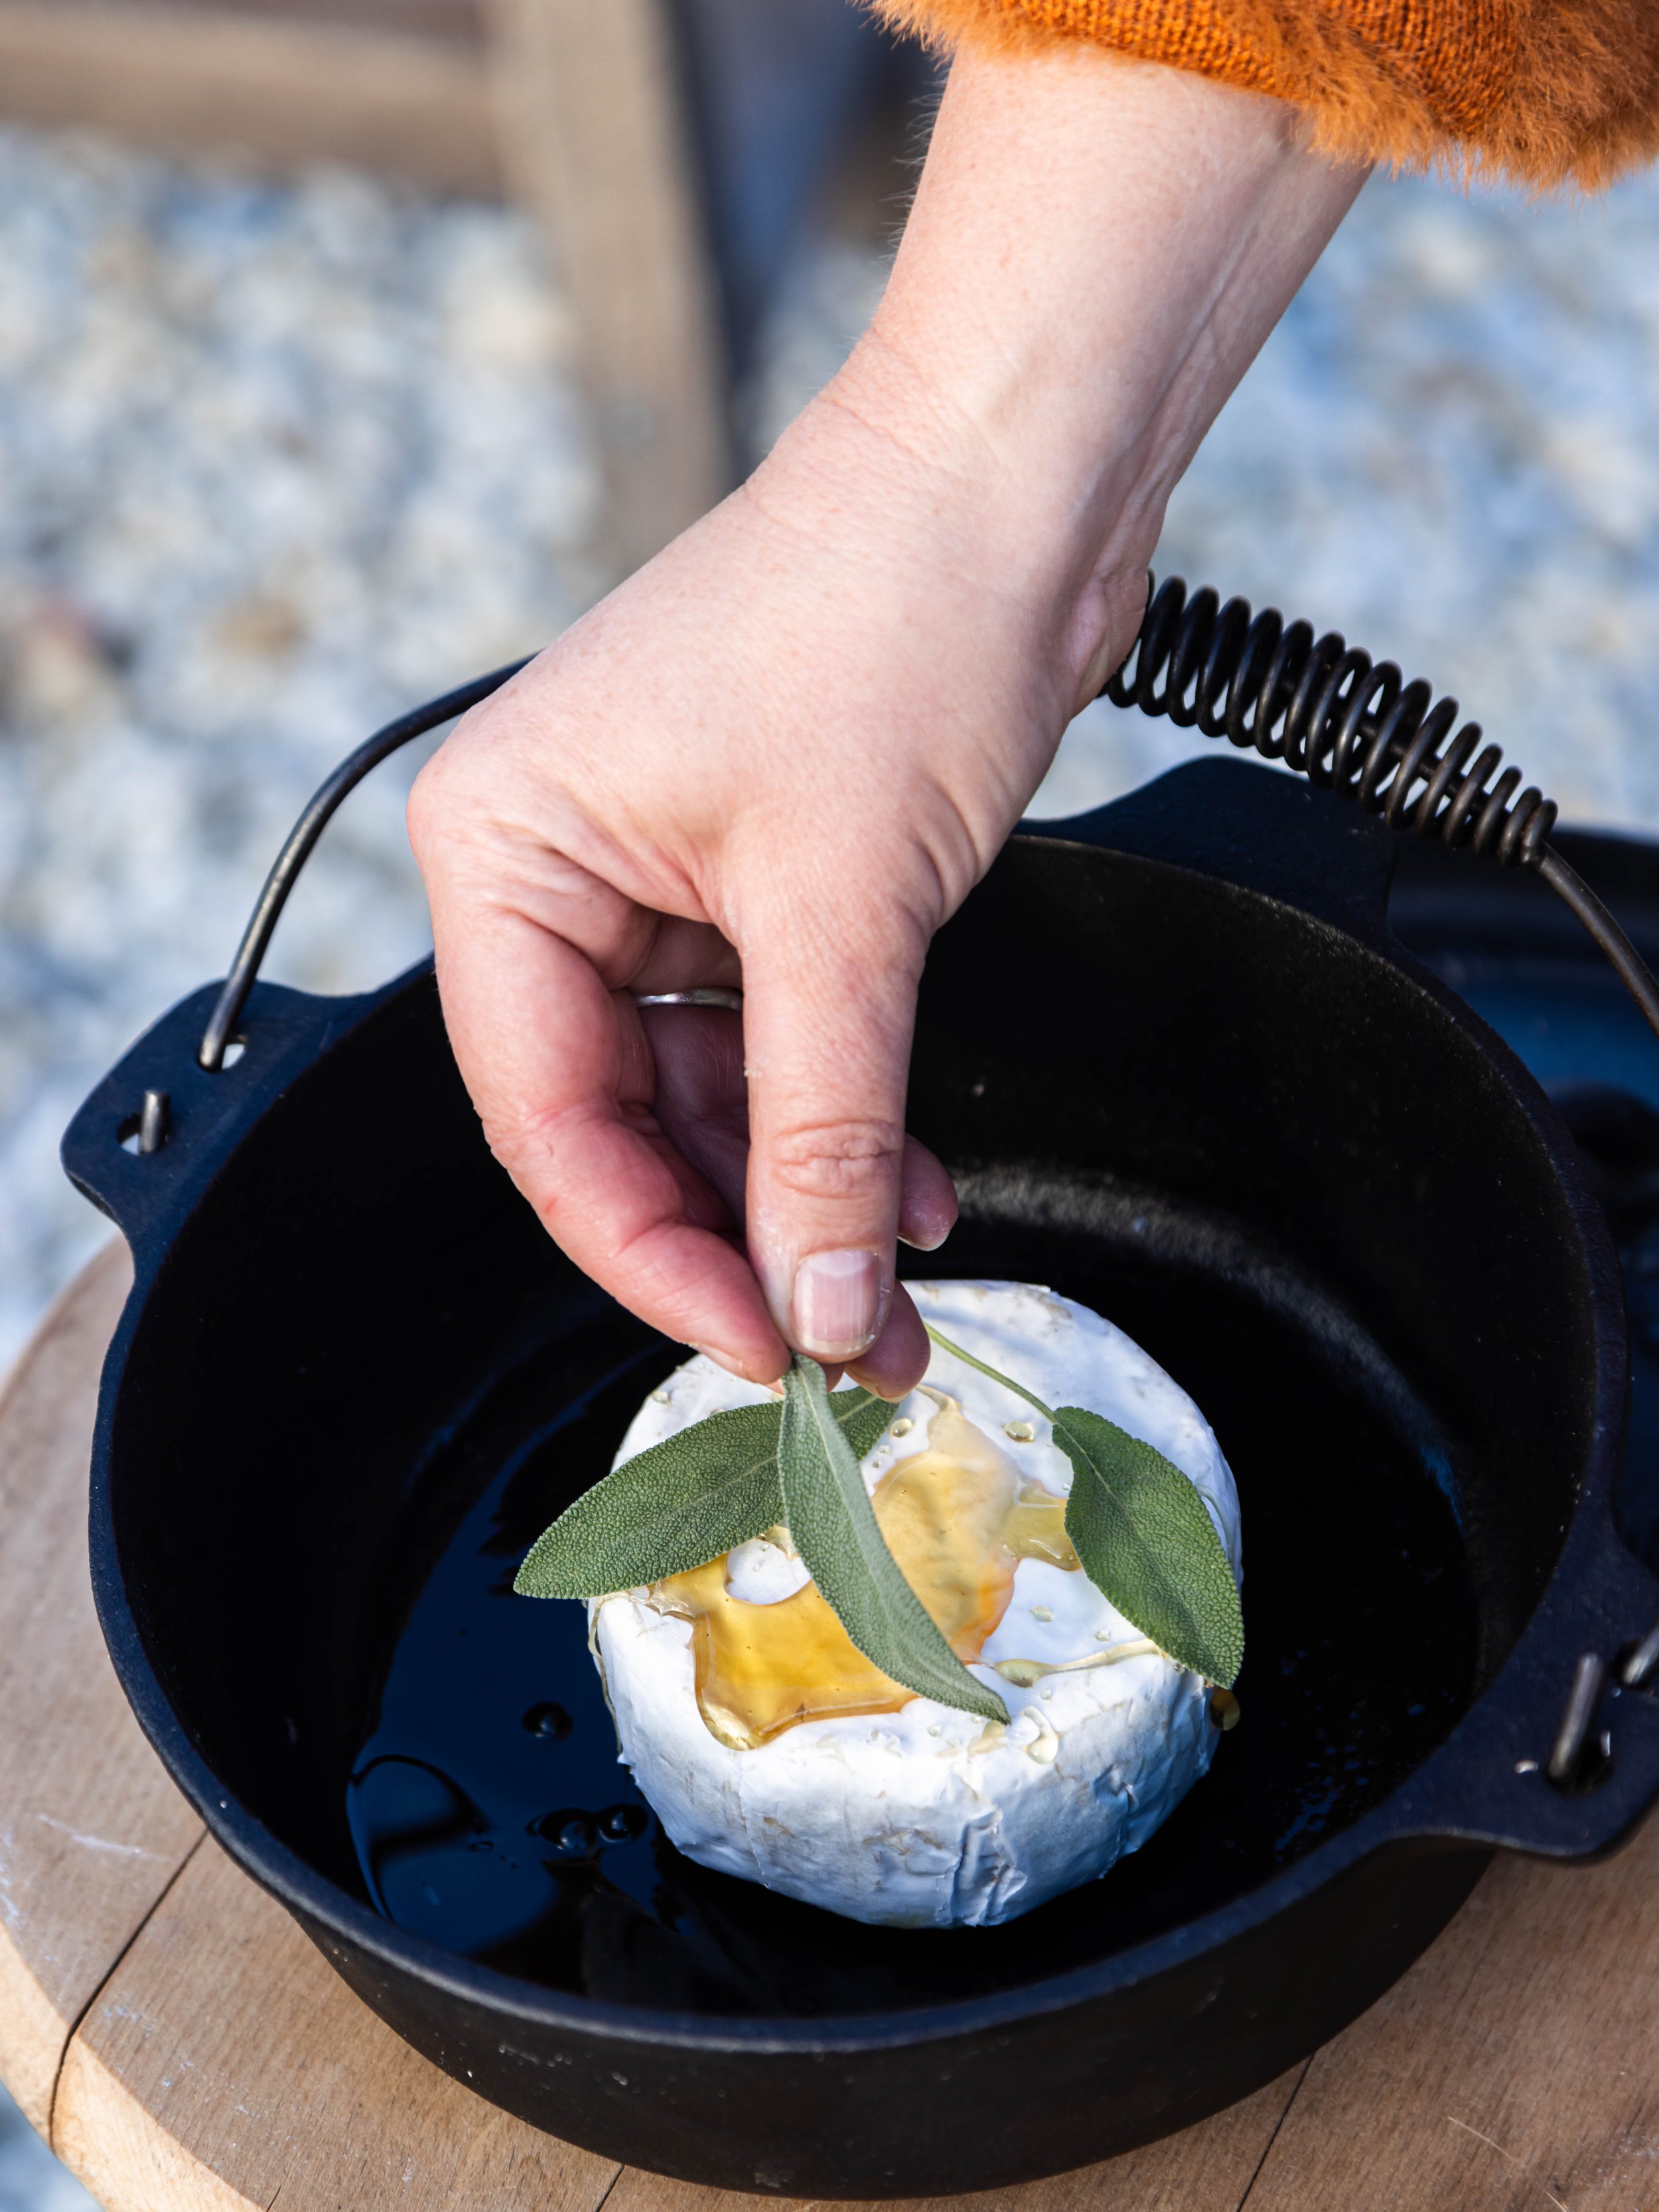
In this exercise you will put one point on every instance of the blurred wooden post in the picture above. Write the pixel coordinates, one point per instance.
(394, 86)
(594, 139)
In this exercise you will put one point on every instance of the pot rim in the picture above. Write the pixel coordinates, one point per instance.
(1592, 1580)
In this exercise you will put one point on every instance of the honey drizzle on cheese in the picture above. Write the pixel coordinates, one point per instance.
(958, 1516)
(1022, 1673)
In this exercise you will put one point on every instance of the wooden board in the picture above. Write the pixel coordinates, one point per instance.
(256, 85)
(168, 2098)
(594, 138)
(186, 2049)
(91, 1830)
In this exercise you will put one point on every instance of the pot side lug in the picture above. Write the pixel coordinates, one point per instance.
(1489, 1783)
(152, 1135)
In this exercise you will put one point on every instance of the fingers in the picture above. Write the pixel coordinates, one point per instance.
(636, 1162)
(928, 1198)
(562, 1078)
(829, 1009)
(627, 1130)
(702, 1100)
(897, 1360)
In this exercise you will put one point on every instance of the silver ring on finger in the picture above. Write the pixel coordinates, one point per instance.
(711, 994)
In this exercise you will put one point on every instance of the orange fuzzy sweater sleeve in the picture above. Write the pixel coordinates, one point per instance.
(1546, 92)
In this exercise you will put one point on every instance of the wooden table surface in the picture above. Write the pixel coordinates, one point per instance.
(181, 2044)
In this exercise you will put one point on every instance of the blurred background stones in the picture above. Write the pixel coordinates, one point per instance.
(31, 2179)
(275, 463)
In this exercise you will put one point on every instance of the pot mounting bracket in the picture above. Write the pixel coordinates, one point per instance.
(1582, 1754)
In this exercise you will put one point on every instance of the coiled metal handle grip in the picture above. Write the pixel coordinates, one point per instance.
(1356, 726)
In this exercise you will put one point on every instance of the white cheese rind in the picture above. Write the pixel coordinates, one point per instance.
(914, 1819)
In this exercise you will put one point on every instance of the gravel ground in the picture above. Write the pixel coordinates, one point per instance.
(275, 463)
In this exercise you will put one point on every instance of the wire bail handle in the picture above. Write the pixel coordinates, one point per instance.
(221, 1030)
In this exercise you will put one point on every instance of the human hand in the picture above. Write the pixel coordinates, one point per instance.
(783, 753)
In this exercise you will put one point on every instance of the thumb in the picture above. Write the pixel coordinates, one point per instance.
(827, 1020)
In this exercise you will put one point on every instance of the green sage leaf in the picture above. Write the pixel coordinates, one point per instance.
(681, 1503)
(830, 1516)
(1146, 1540)
(1144, 1535)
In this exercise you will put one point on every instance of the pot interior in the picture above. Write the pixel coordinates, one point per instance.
(1271, 1156)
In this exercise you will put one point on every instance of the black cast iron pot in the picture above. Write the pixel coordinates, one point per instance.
(1185, 1075)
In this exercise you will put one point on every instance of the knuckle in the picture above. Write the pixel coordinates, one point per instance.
(431, 806)
(837, 1160)
(452, 787)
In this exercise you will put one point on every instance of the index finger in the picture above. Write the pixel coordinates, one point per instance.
(561, 1077)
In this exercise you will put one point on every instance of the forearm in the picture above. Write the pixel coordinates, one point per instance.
(1097, 250)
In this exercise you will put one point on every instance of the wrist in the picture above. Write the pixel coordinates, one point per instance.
(1061, 507)
(881, 468)
(1098, 249)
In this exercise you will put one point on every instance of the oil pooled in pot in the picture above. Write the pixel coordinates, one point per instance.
(490, 1813)
(488, 1807)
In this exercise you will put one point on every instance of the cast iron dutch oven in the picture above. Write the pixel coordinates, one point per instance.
(1183, 1073)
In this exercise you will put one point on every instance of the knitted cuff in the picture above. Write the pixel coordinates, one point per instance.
(1546, 92)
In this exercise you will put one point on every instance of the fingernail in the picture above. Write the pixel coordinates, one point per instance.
(925, 1240)
(837, 1304)
(725, 1360)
